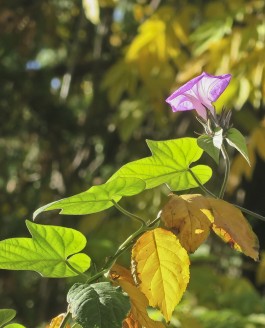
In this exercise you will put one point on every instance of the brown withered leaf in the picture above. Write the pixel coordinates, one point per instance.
(230, 224)
(131, 322)
(138, 316)
(186, 216)
(56, 322)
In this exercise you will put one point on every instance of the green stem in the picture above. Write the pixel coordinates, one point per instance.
(227, 171)
(122, 248)
(256, 215)
(65, 319)
(76, 271)
(111, 260)
(242, 209)
(201, 185)
(131, 215)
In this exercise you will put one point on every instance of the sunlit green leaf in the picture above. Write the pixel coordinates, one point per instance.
(98, 305)
(170, 164)
(52, 251)
(237, 140)
(97, 198)
(15, 325)
(6, 315)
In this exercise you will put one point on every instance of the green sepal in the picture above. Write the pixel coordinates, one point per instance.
(236, 139)
(98, 305)
(207, 144)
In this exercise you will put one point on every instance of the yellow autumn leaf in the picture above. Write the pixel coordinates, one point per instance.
(185, 217)
(56, 322)
(160, 266)
(230, 224)
(138, 316)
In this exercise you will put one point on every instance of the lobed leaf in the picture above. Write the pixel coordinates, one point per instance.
(161, 268)
(98, 305)
(138, 316)
(51, 251)
(170, 164)
(97, 198)
(190, 224)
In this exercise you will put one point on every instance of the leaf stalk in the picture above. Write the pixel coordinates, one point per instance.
(227, 171)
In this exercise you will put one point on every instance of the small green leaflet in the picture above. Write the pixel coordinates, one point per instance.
(169, 164)
(6, 315)
(51, 251)
(98, 305)
(237, 140)
(97, 198)
(212, 144)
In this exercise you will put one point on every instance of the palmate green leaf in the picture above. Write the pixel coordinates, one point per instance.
(52, 251)
(6, 315)
(237, 140)
(97, 198)
(169, 164)
(98, 305)
(212, 144)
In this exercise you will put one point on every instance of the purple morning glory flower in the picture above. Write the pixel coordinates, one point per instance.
(199, 93)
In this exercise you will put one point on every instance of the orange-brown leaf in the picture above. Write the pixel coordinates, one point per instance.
(161, 268)
(185, 216)
(130, 322)
(138, 316)
(230, 224)
(226, 221)
(56, 322)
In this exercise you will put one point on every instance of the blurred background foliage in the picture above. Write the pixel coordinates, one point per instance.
(83, 84)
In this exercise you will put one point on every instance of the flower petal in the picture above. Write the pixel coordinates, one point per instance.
(199, 93)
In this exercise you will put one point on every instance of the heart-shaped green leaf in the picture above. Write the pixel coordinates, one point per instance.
(97, 198)
(236, 139)
(169, 164)
(98, 305)
(6, 315)
(51, 251)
